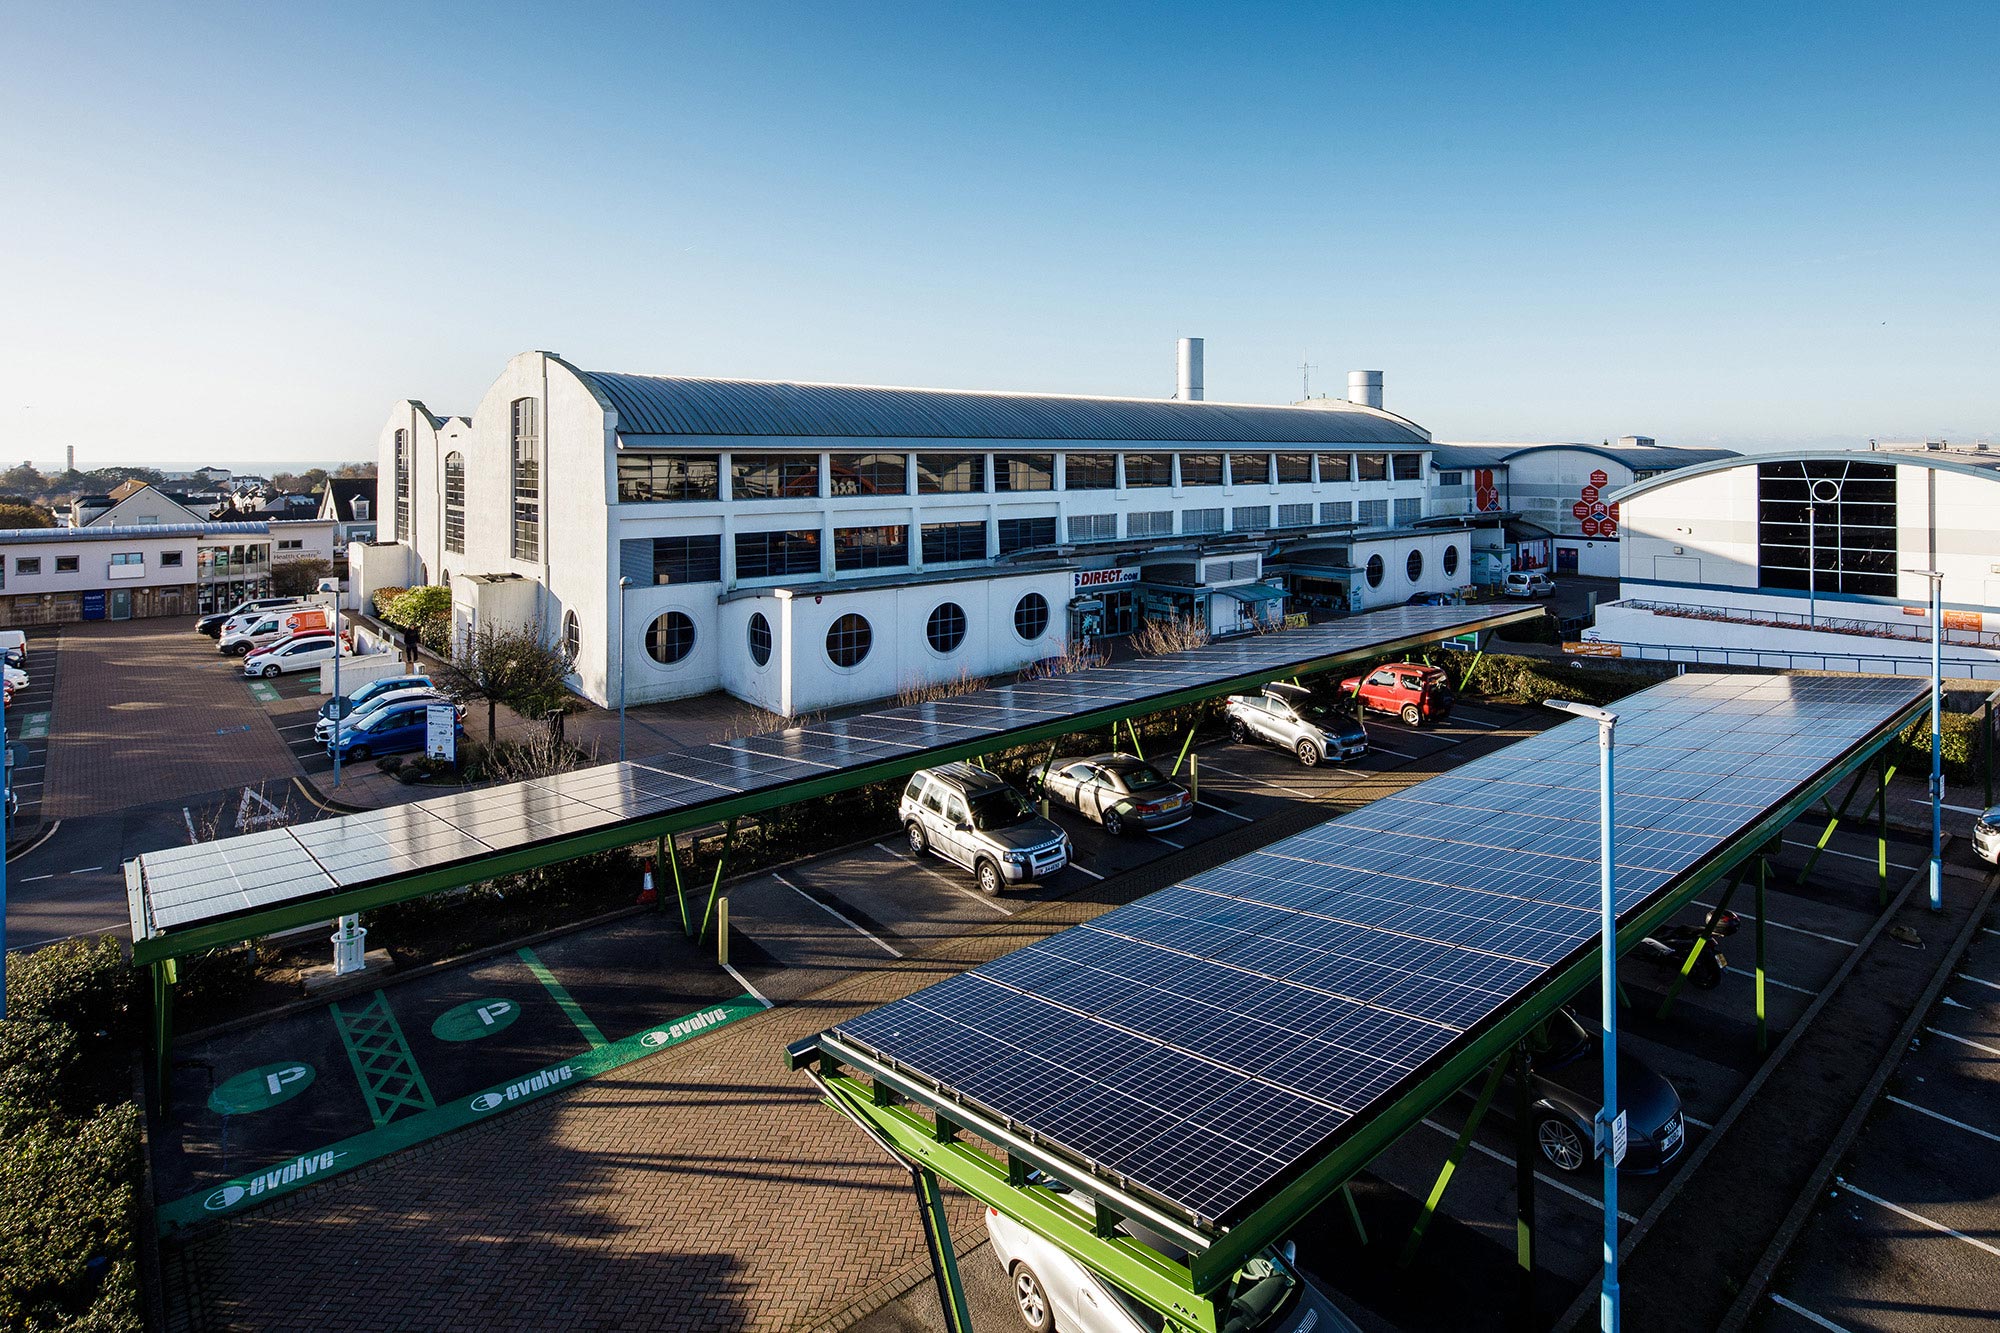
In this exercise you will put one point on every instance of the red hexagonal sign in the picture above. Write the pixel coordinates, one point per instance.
(1600, 478)
(1590, 494)
(1607, 528)
(1590, 527)
(1614, 511)
(1580, 510)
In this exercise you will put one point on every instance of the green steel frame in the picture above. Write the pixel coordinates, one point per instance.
(1183, 1293)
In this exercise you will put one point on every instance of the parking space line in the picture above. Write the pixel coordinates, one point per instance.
(1377, 747)
(837, 915)
(1963, 1041)
(564, 1000)
(1772, 981)
(944, 879)
(1179, 847)
(1939, 1115)
(1918, 1218)
(1220, 811)
(1796, 930)
(1806, 1314)
(748, 989)
(32, 878)
(1245, 777)
(1086, 870)
(1979, 981)
(1852, 856)
(1962, 809)
(1554, 1184)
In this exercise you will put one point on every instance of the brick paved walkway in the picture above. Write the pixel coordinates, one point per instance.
(139, 705)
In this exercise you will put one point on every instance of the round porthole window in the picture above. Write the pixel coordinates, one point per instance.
(946, 628)
(1031, 616)
(1450, 561)
(670, 638)
(1375, 571)
(1414, 566)
(572, 635)
(848, 640)
(760, 638)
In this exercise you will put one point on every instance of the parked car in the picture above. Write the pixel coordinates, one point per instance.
(1566, 1088)
(323, 729)
(14, 648)
(1053, 1291)
(17, 679)
(1119, 791)
(1435, 599)
(972, 818)
(212, 624)
(265, 630)
(387, 731)
(1986, 835)
(1528, 583)
(342, 705)
(294, 653)
(1418, 694)
(1296, 719)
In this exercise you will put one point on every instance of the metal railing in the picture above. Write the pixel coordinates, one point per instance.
(1873, 629)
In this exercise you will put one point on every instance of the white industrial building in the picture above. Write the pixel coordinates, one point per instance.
(806, 545)
(1806, 560)
(53, 576)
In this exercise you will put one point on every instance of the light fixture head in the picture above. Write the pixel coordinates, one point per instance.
(1591, 711)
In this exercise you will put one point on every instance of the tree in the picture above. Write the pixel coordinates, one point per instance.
(509, 664)
(299, 578)
(25, 516)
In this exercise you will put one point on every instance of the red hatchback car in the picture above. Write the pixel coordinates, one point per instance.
(1420, 695)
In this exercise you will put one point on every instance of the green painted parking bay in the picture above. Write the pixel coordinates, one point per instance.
(262, 1110)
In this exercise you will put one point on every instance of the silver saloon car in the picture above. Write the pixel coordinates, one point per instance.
(1119, 791)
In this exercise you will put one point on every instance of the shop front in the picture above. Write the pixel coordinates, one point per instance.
(1104, 603)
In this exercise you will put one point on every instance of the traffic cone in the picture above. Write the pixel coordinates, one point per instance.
(646, 895)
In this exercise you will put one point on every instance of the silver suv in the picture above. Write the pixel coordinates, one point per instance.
(1289, 716)
(972, 817)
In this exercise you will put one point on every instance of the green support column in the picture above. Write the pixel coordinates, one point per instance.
(944, 1264)
(1882, 837)
(1524, 1188)
(728, 845)
(1134, 734)
(1763, 1037)
(1354, 1214)
(1812, 859)
(165, 974)
(1188, 744)
(660, 852)
(1451, 1162)
(1706, 939)
(680, 893)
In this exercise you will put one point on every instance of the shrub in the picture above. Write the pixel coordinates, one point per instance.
(67, 1214)
(215, 977)
(41, 1068)
(385, 598)
(1911, 751)
(83, 982)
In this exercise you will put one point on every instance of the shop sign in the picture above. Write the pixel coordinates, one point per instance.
(1106, 578)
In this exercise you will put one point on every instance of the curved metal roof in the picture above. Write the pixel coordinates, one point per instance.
(128, 531)
(661, 405)
(1638, 457)
(1943, 462)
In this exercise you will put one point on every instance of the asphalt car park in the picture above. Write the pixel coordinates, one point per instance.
(30, 718)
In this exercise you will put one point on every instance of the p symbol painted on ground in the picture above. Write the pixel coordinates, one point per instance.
(261, 1088)
(475, 1019)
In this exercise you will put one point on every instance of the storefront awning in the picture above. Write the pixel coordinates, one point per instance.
(1252, 593)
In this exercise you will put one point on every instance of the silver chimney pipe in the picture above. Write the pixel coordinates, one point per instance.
(1364, 387)
(1190, 390)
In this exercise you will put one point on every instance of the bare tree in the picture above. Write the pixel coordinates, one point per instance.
(509, 664)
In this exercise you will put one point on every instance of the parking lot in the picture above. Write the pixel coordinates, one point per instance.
(29, 719)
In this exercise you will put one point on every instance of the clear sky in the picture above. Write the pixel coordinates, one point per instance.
(237, 233)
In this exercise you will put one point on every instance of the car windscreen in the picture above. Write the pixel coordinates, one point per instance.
(390, 718)
(1000, 808)
(1135, 776)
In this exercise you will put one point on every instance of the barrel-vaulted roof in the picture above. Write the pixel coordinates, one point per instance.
(652, 405)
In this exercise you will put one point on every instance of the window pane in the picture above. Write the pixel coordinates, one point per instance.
(1827, 526)
(1373, 467)
(951, 474)
(1293, 468)
(1159, 523)
(1024, 472)
(1249, 469)
(646, 478)
(1201, 520)
(868, 474)
(1409, 467)
(454, 502)
(1020, 534)
(1250, 518)
(1201, 469)
(1337, 511)
(1374, 513)
(1408, 512)
(1090, 472)
(948, 542)
(1149, 470)
(687, 559)
(871, 548)
(1336, 467)
(774, 554)
(774, 476)
(1092, 527)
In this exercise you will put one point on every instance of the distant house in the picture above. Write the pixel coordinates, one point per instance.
(52, 576)
(350, 502)
(134, 504)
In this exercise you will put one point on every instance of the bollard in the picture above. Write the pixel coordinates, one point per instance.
(350, 946)
(1194, 779)
(722, 930)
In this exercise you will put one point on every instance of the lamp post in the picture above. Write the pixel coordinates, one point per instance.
(331, 590)
(1609, 1119)
(1937, 733)
(624, 582)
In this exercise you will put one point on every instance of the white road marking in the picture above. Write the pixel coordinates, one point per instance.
(1086, 870)
(1964, 1041)
(1979, 981)
(1938, 1115)
(1806, 1314)
(1179, 847)
(1554, 1184)
(1698, 1124)
(837, 915)
(83, 870)
(1475, 722)
(944, 879)
(1796, 930)
(749, 989)
(1771, 981)
(1852, 856)
(1962, 809)
(1220, 811)
(1376, 746)
(32, 878)
(1919, 1218)
(1261, 782)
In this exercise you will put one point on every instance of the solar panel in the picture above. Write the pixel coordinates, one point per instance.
(1291, 991)
(182, 887)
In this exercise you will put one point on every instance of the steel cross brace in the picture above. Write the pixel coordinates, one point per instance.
(1134, 734)
(1879, 806)
(728, 845)
(1706, 939)
(1451, 1161)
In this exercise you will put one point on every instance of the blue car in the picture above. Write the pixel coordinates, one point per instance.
(389, 731)
(341, 705)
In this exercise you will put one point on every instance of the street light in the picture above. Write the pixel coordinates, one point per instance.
(1609, 1119)
(1937, 737)
(624, 582)
(332, 590)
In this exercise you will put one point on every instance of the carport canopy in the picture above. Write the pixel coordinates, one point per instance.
(1214, 1060)
(186, 899)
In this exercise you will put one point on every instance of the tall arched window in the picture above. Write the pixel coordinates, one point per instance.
(527, 480)
(454, 502)
(403, 533)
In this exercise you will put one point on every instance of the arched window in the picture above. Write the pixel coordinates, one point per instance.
(946, 628)
(1375, 571)
(1031, 616)
(402, 485)
(572, 635)
(670, 638)
(1450, 561)
(848, 640)
(1414, 566)
(527, 480)
(454, 502)
(760, 638)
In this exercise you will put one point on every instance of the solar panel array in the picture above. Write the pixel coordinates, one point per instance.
(1206, 1042)
(187, 886)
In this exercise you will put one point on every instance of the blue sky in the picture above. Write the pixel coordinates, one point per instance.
(243, 232)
